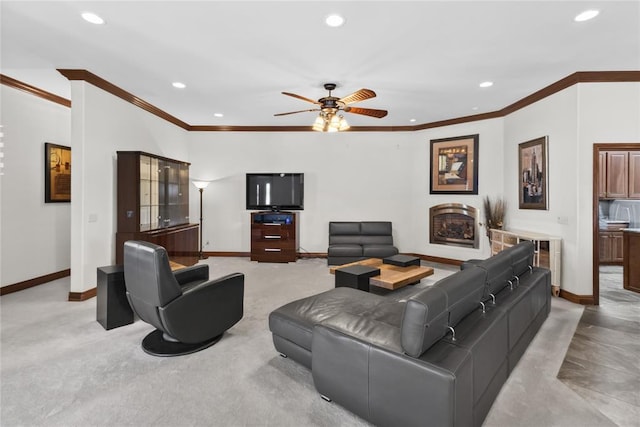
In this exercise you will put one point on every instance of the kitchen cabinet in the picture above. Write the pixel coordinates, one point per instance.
(634, 174)
(602, 177)
(619, 175)
(631, 264)
(617, 186)
(611, 247)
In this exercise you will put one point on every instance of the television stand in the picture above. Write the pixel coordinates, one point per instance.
(274, 236)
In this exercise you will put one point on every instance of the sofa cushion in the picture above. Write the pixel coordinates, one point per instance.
(521, 257)
(499, 272)
(424, 321)
(295, 320)
(368, 329)
(375, 228)
(378, 251)
(464, 291)
(345, 249)
(342, 228)
(367, 239)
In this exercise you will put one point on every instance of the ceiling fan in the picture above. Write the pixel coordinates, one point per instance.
(329, 106)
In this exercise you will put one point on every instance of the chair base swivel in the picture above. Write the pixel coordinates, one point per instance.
(156, 345)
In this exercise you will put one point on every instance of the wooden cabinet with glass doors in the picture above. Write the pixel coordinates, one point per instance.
(153, 205)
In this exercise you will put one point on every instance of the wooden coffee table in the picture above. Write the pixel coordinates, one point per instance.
(391, 276)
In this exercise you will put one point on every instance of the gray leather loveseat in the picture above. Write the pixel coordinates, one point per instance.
(353, 241)
(437, 358)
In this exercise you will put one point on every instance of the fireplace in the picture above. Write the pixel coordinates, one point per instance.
(454, 224)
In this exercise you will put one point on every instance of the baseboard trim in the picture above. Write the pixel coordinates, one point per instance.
(577, 299)
(34, 282)
(312, 255)
(90, 293)
(430, 258)
(83, 296)
(248, 254)
(437, 259)
(227, 254)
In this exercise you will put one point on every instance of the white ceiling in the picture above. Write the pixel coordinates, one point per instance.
(424, 59)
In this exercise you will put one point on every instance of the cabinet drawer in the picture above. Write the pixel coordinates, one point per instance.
(271, 233)
(273, 254)
(262, 246)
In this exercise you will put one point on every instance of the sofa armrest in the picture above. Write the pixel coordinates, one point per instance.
(205, 309)
(192, 274)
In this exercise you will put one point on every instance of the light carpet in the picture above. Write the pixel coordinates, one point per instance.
(59, 367)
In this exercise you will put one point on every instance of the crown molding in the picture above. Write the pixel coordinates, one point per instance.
(122, 94)
(17, 84)
(570, 80)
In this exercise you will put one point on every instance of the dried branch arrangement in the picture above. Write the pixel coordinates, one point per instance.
(494, 213)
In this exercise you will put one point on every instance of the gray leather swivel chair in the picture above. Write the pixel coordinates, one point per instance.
(189, 311)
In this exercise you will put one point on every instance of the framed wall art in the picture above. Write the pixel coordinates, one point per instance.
(532, 168)
(57, 173)
(454, 165)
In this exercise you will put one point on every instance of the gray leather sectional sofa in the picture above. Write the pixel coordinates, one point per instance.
(438, 358)
(351, 241)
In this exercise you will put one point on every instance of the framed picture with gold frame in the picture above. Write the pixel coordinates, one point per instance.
(532, 168)
(454, 165)
(57, 173)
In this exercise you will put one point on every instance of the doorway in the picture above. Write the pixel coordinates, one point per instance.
(599, 175)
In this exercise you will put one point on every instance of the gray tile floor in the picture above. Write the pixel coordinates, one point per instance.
(602, 363)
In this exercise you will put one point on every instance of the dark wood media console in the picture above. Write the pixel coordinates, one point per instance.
(274, 236)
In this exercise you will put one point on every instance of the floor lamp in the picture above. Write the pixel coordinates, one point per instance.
(201, 185)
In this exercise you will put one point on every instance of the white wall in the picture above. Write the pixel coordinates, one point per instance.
(607, 113)
(490, 183)
(556, 118)
(34, 235)
(356, 176)
(102, 124)
(349, 176)
(573, 119)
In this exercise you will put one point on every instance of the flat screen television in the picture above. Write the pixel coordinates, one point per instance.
(275, 191)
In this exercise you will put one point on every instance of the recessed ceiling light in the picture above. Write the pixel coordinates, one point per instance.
(486, 84)
(334, 20)
(586, 15)
(178, 85)
(93, 18)
(218, 115)
(412, 120)
(474, 108)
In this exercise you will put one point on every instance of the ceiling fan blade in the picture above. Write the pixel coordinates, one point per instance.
(357, 96)
(295, 112)
(300, 97)
(367, 112)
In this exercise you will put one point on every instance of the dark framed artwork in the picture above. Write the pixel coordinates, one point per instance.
(454, 165)
(532, 167)
(57, 173)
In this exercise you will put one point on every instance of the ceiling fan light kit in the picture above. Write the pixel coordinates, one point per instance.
(330, 122)
(329, 119)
